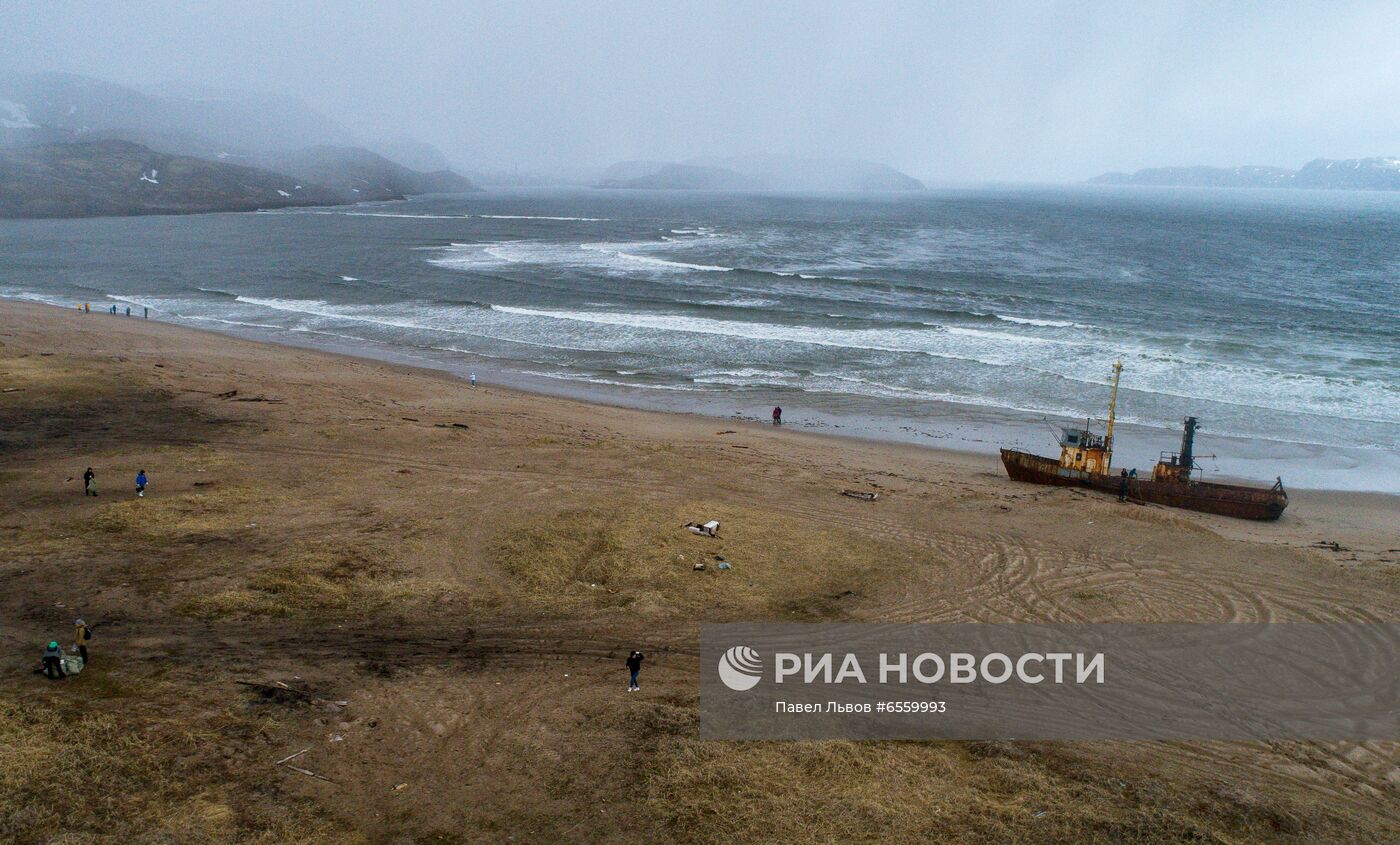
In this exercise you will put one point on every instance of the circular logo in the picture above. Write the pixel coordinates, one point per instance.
(740, 668)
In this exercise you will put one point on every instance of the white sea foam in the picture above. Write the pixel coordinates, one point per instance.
(405, 216)
(1249, 388)
(821, 382)
(740, 302)
(222, 321)
(745, 376)
(918, 341)
(33, 296)
(540, 217)
(607, 381)
(1029, 321)
(324, 212)
(607, 257)
(611, 249)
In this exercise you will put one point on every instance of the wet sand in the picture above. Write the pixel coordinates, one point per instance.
(467, 568)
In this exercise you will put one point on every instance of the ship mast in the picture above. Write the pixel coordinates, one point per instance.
(1112, 409)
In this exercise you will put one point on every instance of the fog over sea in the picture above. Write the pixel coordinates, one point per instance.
(965, 319)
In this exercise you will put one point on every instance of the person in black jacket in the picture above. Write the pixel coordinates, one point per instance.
(89, 489)
(634, 666)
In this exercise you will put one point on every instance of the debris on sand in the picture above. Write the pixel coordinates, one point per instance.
(699, 567)
(291, 757)
(233, 395)
(308, 773)
(708, 529)
(281, 692)
(287, 763)
(865, 495)
(1332, 545)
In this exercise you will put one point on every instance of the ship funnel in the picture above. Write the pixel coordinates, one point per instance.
(1188, 442)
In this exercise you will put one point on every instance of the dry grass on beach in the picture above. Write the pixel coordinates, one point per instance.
(107, 772)
(919, 792)
(448, 579)
(636, 559)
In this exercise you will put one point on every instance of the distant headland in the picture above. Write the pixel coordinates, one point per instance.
(1354, 174)
(759, 173)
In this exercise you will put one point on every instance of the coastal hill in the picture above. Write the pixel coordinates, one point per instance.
(411, 153)
(98, 178)
(71, 146)
(358, 174)
(112, 177)
(759, 173)
(1363, 174)
(672, 176)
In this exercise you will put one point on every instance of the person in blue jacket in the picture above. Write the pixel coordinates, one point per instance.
(141, 483)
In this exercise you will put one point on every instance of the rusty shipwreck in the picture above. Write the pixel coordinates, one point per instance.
(1086, 460)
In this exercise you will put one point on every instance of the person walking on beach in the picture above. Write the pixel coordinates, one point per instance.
(53, 662)
(81, 634)
(87, 308)
(777, 415)
(141, 483)
(634, 667)
(1123, 487)
(128, 310)
(473, 378)
(89, 483)
(145, 313)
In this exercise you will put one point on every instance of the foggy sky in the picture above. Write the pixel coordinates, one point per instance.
(946, 92)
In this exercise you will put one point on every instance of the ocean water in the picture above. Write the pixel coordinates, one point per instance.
(958, 318)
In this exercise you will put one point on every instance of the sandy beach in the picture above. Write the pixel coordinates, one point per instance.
(450, 577)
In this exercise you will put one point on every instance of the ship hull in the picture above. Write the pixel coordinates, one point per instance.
(1207, 497)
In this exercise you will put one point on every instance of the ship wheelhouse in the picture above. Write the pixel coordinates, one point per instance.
(1084, 451)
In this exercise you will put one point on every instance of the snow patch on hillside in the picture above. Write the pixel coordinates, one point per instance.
(18, 117)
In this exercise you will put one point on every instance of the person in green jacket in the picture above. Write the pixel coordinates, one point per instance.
(53, 662)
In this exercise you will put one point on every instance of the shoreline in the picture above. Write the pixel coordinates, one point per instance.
(458, 380)
(1364, 511)
(972, 432)
(1314, 515)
